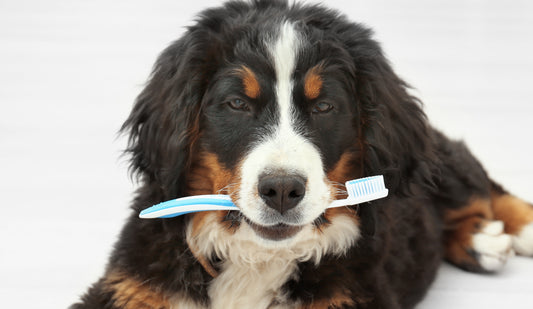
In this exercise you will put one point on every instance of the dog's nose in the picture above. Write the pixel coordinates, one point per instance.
(281, 192)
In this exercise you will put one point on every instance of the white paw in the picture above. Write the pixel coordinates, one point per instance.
(493, 246)
(523, 242)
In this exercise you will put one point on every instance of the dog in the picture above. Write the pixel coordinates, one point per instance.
(277, 105)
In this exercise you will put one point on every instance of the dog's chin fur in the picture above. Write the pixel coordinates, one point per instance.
(244, 246)
(277, 232)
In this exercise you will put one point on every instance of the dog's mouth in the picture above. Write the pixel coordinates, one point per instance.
(278, 231)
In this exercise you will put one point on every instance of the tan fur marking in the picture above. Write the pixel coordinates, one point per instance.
(208, 267)
(249, 81)
(479, 207)
(209, 176)
(313, 83)
(130, 293)
(461, 225)
(339, 300)
(514, 212)
(459, 241)
(341, 172)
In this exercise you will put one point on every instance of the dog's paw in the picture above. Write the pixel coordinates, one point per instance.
(492, 247)
(523, 241)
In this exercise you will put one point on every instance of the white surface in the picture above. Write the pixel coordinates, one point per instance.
(70, 70)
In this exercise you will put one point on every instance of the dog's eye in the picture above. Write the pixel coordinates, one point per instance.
(322, 108)
(238, 104)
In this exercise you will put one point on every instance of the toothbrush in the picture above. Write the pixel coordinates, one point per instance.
(359, 191)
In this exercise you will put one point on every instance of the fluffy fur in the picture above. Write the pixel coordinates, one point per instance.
(278, 105)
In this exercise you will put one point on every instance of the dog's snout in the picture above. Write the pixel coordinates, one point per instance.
(281, 192)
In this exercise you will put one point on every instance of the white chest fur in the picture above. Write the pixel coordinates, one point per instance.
(247, 286)
(254, 270)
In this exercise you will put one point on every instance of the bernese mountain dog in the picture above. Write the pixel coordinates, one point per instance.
(277, 105)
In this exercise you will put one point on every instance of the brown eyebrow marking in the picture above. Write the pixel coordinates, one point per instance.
(249, 81)
(313, 82)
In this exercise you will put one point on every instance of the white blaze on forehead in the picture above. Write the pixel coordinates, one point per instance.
(284, 55)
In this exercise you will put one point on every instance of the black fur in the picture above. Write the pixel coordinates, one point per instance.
(181, 112)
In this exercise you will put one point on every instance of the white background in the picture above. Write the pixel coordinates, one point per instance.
(70, 70)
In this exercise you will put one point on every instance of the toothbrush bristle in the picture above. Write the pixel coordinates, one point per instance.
(365, 186)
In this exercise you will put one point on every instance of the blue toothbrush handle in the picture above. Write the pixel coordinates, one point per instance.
(181, 206)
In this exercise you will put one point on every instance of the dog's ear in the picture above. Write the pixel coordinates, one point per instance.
(164, 124)
(395, 134)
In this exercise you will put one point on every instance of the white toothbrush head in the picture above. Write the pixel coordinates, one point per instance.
(363, 190)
